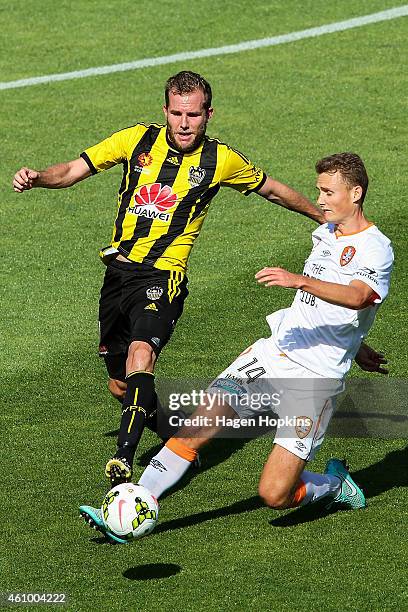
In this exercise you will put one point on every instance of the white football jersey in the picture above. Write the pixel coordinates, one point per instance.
(324, 337)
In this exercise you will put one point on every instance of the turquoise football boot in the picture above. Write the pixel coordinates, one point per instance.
(351, 497)
(93, 516)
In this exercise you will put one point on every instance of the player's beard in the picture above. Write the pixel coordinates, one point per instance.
(193, 146)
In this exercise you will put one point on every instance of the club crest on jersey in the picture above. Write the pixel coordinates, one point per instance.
(153, 201)
(195, 175)
(145, 159)
(154, 293)
(303, 426)
(347, 255)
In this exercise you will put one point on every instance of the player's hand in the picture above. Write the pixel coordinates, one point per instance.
(25, 179)
(370, 360)
(278, 277)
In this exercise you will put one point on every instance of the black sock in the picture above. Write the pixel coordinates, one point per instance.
(138, 403)
(151, 421)
(154, 420)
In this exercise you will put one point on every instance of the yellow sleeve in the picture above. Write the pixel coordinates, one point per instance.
(111, 151)
(238, 172)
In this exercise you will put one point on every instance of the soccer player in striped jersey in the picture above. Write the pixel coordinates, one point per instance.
(170, 175)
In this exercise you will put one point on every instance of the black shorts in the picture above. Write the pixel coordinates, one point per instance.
(138, 302)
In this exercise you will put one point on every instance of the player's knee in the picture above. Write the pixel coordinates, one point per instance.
(117, 388)
(275, 496)
(140, 357)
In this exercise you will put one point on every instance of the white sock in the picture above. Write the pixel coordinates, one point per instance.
(164, 471)
(318, 486)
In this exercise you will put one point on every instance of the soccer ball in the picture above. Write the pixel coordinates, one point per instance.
(130, 511)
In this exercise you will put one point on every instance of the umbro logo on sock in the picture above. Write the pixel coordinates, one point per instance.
(157, 465)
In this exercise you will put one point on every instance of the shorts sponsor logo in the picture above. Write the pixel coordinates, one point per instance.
(300, 446)
(230, 386)
(153, 201)
(195, 175)
(103, 350)
(156, 341)
(303, 426)
(347, 255)
(154, 293)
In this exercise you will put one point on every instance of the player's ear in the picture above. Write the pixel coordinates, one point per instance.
(210, 112)
(165, 110)
(357, 193)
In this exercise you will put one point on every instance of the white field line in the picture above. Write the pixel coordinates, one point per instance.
(330, 28)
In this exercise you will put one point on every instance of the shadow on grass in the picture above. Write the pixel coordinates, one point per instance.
(103, 540)
(215, 453)
(386, 474)
(313, 512)
(244, 505)
(144, 459)
(111, 434)
(152, 571)
(390, 472)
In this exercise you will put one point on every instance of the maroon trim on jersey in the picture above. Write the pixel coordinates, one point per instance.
(374, 296)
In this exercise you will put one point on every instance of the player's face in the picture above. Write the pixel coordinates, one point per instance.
(186, 120)
(338, 201)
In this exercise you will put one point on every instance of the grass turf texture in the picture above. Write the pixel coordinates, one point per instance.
(216, 547)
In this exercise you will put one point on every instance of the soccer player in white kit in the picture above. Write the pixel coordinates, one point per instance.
(311, 348)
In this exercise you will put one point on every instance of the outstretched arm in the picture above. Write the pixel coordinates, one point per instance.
(356, 295)
(54, 177)
(285, 196)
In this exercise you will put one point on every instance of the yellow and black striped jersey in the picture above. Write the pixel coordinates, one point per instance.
(164, 195)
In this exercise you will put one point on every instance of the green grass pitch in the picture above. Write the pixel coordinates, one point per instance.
(216, 547)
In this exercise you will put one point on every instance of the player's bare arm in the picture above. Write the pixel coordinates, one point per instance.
(285, 196)
(57, 176)
(356, 295)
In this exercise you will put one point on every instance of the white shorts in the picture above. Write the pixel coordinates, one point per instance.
(263, 385)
